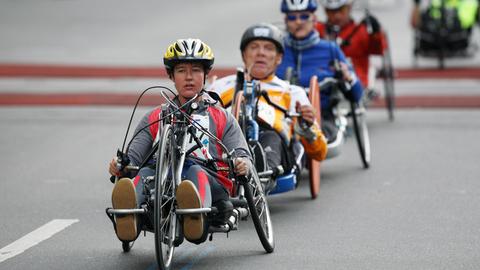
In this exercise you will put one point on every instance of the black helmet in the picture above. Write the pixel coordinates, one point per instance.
(263, 31)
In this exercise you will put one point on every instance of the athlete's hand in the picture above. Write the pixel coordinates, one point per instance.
(307, 112)
(112, 168)
(347, 75)
(241, 166)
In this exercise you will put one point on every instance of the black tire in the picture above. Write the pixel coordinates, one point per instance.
(442, 36)
(361, 133)
(259, 156)
(165, 219)
(441, 56)
(416, 48)
(258, 205)
(127, 245)
(388, 83)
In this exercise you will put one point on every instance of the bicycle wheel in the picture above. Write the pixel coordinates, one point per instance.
(257, 203)
(314, 165)
(238, 110)
(442, 36)
(164, 211)
(259, 156)
(127, 245)
(441, 55)
(388, 82)
(361, 133)
(237, 104)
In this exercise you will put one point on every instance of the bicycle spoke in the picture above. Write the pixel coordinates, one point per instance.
(170, 199)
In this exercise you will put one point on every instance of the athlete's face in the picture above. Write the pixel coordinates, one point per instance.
(188, 79)
(340, 16)
(300, 23)
(261, 58)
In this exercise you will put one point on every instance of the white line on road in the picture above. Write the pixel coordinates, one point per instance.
(35, 237)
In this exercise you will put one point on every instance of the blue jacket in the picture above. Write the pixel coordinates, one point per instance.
(312, 56)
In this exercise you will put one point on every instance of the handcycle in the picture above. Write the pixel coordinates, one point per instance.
(343, 111)
(161, 214)
(245, 110)
(385, 72)
(442, 37)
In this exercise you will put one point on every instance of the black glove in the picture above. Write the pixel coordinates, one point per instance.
(373, 24)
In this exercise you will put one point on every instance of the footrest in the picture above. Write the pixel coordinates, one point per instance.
(193, 211)
(125, 211)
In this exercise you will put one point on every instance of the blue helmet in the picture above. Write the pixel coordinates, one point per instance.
(298, 5)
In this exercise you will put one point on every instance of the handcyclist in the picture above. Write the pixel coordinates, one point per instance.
(187, 62)
(444, 24)
(467, 11)
(309, 55)
(358, 41)
(262, 48)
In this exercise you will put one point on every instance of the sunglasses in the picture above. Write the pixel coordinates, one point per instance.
(294, 17)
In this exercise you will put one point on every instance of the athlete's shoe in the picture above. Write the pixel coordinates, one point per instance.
(124, 197)
(189, 198)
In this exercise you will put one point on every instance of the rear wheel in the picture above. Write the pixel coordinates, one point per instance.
(257, 203)
(313, 165)
(388, 82)
(361, 133)
(164, 210)
(441, 57)
(238, 110)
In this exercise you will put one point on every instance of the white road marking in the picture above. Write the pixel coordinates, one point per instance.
(35, 237)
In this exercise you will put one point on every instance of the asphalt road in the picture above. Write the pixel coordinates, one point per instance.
(415, 208)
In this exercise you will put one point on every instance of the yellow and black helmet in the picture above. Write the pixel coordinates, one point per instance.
(188, 50)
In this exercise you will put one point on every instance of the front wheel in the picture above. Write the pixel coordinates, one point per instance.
(257, 203)
(164, 210)
(127, 245)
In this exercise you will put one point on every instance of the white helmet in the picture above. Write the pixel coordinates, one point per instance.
(335, 4)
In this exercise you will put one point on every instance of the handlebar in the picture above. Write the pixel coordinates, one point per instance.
(328, 82)
(123, 165)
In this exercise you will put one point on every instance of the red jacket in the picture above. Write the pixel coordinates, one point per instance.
(360, 46)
